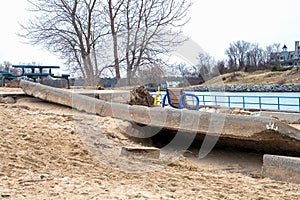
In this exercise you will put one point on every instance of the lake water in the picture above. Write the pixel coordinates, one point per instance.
(284, 101)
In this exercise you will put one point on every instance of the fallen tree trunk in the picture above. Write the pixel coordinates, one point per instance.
(239, 127)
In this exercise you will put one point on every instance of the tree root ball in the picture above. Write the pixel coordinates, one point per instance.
(140, 96)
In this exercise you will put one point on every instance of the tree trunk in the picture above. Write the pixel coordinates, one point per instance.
(115, 41)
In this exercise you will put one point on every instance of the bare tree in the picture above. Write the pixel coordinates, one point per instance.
(255, 56)
(152, 74)
(145, 30)
(113, 10)
(205, 66)
(237, 52)
(184, 70)
(219, 68)
(272, 54)
(242, 48)
(69, 28)
(7, 66)
(140, 31)
(232, 54)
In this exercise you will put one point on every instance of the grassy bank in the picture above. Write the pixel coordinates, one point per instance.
(257, 77)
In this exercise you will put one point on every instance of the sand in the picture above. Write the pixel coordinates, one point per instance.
(44, 155)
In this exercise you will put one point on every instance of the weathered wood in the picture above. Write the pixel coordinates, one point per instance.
(175, 95)
(146, 152)
(250, 128)
(140, 96)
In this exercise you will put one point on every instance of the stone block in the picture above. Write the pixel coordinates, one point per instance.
(281, 168)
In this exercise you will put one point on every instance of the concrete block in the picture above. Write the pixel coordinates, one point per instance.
(254, 129)
(282, 116)
(281, 168)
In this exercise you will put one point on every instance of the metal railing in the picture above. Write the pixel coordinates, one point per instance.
(279, 103)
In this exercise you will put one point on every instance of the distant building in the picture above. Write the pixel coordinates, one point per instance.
(289, 58)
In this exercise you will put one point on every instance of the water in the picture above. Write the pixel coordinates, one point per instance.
(284, 101)
(258, 100)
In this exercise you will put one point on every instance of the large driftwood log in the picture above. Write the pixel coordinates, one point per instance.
(238, 127)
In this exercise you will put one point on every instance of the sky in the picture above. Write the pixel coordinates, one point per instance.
(214, 24)
(13, 48)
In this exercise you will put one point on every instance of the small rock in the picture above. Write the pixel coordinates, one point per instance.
(45, 176)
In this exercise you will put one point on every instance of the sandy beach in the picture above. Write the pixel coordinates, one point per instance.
(44, 156)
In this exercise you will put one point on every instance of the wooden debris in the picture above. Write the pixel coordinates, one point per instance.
(145, 152)
(140, 96)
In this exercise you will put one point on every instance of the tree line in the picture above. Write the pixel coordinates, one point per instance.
(250, 56)
(241, 55)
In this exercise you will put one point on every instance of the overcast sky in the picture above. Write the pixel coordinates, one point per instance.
(213, 25)
(13, 48)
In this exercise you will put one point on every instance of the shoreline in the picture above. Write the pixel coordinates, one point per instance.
(247, 88)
